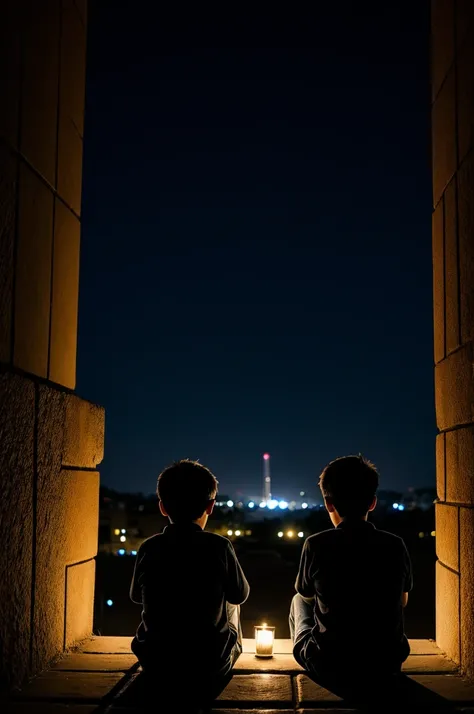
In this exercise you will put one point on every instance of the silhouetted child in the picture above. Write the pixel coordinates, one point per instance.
(190, 585)
(352, 585)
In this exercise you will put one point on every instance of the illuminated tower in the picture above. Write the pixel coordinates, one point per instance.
(267, 494)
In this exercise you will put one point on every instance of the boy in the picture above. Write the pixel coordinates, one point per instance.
(353, 583)
(189, 583)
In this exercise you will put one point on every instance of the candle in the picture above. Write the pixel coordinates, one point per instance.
(264, 637)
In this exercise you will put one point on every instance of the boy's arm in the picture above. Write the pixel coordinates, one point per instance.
(304, 584)
(135, 589)
(407, 576)
(237, 588)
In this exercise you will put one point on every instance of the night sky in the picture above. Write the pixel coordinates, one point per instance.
(256, 244)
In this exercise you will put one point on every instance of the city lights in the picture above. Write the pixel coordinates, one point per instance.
(280, 534)
(401, 507)
(301, 493)
(121, 551)
(109, 603)
(283, 505)
(395, 506)
(433, 533)
(301, 534)
(251, 504)
(266, 456)
(123, 530)
(117, 531)
(290, 534)
(229, 532)
(262, 504)
(272, 504)
(304, 505)
(230, 503)
(122, 539)
(237, 533)
(134, 552)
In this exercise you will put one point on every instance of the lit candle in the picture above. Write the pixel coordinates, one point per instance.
(264, 637)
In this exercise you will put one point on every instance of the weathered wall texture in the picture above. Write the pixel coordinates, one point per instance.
(51, 441)
(453, 279)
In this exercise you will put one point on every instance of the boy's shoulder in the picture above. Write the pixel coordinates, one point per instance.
(211, 540)
(384, 538)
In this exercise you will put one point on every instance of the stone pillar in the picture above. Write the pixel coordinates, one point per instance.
(453, 281)
(51, 441)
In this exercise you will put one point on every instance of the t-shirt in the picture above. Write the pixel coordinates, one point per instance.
(357, 575)
(184, 577)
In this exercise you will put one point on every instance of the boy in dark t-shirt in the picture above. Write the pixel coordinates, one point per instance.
(189, 583)
(353, 582)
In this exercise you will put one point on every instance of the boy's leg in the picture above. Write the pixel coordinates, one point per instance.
(301, 623)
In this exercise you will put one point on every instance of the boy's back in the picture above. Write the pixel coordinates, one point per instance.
(184, 578)
(357, 575)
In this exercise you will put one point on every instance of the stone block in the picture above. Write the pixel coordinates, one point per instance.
(10, 71)
(447, 611)
(8, 178)
(38, 137)
(65, 297)
(444, 137)
(259, 689)
(83, 443)
(75, 686)
(438, 282)
(449, 686)
(279, 663)
(441, 466)
(309, 693)
(80, 661)
(424, 647)
(454, 389)
(79, 609)
(467, 589)
(442, 42)
(465, 99)
(447, 535)
(107, 645)
(17, 419)
(451, 276)
(460, 465)
(429, 664)
(73, 65)
(67, 524)
(70, 164)
(33, 274)
(466, 246)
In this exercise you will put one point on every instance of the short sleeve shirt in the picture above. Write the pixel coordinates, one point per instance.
(184, 577)
(356, 575)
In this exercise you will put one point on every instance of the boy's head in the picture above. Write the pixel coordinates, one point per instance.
(348, 485)
(187, 491)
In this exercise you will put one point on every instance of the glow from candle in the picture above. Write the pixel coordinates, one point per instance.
(264, 637)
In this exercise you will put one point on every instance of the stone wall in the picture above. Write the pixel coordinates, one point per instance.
(453, 280)
(51, 441)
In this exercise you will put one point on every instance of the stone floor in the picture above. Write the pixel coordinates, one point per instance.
(98, 677)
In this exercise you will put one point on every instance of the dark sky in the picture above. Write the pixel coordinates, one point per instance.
(256, 246)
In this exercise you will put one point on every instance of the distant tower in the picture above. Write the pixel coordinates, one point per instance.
(267, 494)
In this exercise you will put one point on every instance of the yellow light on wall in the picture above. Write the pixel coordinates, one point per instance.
(264, 639)
(117, 531)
